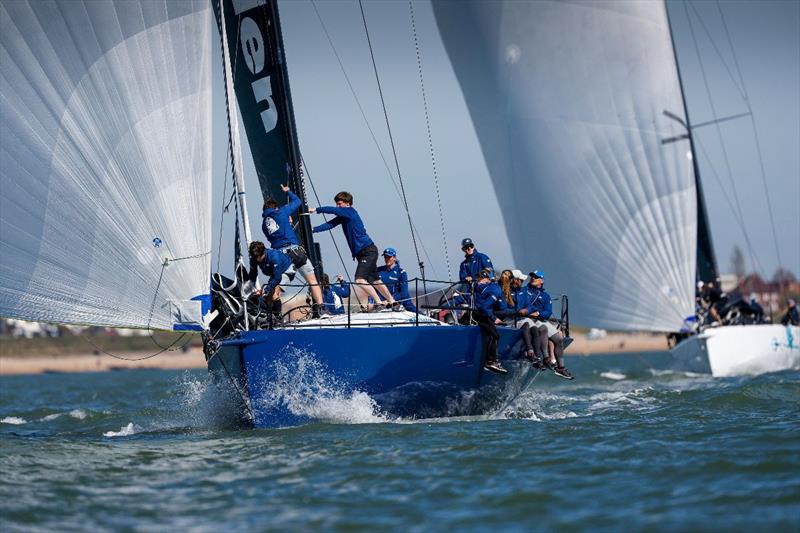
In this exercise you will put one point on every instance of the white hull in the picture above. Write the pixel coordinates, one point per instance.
(740, 350)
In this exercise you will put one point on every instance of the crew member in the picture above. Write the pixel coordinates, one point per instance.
(488, 298)
(395, 279)
(330, 292)
(274, 264)
(792, 316)
(540, 308)
(473, 262)
(277, 226)
(368, 282)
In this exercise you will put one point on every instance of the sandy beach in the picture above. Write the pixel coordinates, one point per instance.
(32, 364)
(193, 358)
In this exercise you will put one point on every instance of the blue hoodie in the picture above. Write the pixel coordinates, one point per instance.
(396, 280)
(276, 226)
(488, 299)
(341, 290)
(353, 227)
(473, 264)
(539, 300)
(275, 263)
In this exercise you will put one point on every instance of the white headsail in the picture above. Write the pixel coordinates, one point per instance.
(105, 123)
(568, 99)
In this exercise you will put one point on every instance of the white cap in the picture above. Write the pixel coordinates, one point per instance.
(517, 274)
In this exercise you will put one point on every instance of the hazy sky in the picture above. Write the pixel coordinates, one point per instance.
(340, 152)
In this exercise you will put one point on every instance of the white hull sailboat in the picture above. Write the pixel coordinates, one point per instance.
(740, 350)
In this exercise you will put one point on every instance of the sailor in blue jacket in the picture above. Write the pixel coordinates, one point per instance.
(473, 262)
(277, 226)
(274, 264)
(361, 246)
(487, 300)
(331, 291)
(396, 279)
(540, 308)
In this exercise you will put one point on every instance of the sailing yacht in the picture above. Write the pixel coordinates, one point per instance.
(597, 125)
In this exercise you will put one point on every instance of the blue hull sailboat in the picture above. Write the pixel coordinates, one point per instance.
(411, 370)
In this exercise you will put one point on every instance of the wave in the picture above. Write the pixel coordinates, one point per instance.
(615, 376)
(13, 420)
(124, 431)
(306, 388)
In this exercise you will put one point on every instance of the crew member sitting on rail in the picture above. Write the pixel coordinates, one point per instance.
(330, 294)
(540, 309)
(518, 315)
(488, 298)
(396, 280)
(361, 246)
(274, 264)
(473, 262)
(277, 226)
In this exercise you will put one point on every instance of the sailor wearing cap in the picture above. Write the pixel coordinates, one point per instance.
(488, 300)
(540, 309)
(473, 262)
(396, 280)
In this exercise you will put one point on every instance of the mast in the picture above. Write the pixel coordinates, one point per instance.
(706, 260)
(296, 169)
(261, 84)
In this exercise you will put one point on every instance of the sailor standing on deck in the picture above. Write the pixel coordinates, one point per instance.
(396, 279)
(368, 282)
(473, 262)
(277, 227)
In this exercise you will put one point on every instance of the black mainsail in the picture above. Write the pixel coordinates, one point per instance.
(261, 84)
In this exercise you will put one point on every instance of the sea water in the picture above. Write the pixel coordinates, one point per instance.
(628, 445)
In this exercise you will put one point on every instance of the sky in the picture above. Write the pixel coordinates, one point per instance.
(341, 153)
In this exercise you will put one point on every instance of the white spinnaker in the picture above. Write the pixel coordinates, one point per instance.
(567, 98)
(106, 160)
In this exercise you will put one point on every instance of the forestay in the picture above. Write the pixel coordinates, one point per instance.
(568, 101)
(106, 161)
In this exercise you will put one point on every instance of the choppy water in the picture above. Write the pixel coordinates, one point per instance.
(628, 445)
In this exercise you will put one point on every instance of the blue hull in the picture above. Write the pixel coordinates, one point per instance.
(416, 372)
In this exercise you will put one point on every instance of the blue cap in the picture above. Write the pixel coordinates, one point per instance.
(537, 274)
(391, 252)
(467, 242)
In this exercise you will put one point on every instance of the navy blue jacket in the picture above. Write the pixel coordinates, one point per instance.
(275, 263)
(488, 299)
(276, 226)
(341, 290)
(473, 264)
(539, 300)
(353, 227)
(396, 280)
(791, 317)
(521, 299)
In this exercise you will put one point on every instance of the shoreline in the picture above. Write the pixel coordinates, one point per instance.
(193, 358)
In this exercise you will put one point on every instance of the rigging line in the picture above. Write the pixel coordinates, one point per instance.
(430, 138)
(224, 210)
(719, 132)
(755, 135)
(739, 220)
(325, 217)
(736, 82)
(369, 128)
(389, 129)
